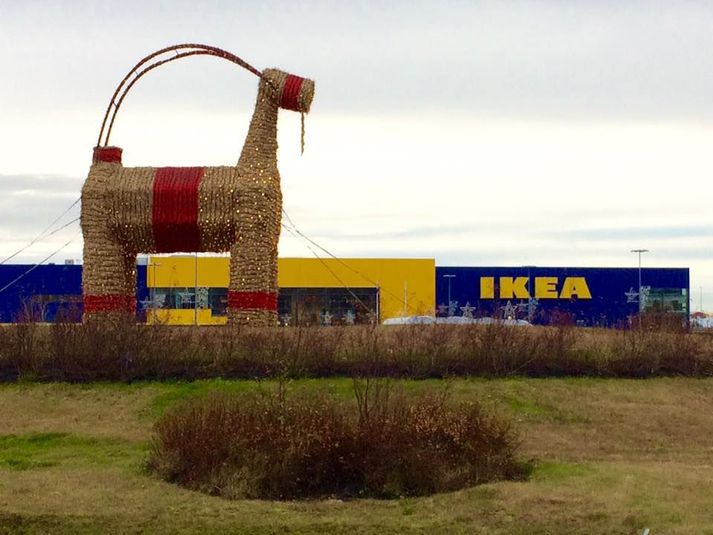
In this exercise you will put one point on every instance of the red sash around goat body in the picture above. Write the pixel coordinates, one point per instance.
(187, 209)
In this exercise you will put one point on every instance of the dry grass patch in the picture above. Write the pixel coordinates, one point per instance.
(592, 474)
(104, 410)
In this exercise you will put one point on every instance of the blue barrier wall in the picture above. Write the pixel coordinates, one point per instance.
(586, 296)
(50, 292)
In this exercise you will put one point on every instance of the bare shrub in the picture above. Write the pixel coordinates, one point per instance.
(506, 350)
(644, 353)
(559, 356)
(23, 345)
(662, 322)
(279, 446)
(124, 350)
(367, 351)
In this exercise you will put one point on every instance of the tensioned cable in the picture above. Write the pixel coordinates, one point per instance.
(376, 284)
(42, 235)
(38, 265)
(340, 281)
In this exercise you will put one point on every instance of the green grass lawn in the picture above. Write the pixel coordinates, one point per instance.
(609, 456)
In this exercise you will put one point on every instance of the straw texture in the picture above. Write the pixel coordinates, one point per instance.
(126, 211)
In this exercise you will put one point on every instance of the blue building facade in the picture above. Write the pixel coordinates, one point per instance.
(605, 297)
(50, 292)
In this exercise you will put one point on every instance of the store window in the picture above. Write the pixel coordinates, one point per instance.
(327, 306)
(295, 306)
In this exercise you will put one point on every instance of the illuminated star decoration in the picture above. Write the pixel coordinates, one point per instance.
(510, 311)
(645, 291)
(349, 317)
(157, 302)
(202, 297)
(186, 297)
(327, 318)
(631, 296)
(467, 310)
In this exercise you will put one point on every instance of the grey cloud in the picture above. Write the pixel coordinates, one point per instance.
(418, 232)
(519, 230)
(43, 184)
(684, 254)
(628, 233)
(29, 203)
(517, 255)
(636, 59)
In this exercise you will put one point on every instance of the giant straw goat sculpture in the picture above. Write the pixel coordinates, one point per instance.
(131, 210)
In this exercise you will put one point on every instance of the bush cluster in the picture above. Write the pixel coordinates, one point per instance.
(128, 351)
(273, 446)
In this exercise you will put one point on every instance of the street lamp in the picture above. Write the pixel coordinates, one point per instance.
(153, 265)
(195, 291)
(450, 307)
(639, 252)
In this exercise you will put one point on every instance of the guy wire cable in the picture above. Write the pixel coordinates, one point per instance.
(42, 235)
(39, 264)
(340, 281)
(46, 236)
(340, 260)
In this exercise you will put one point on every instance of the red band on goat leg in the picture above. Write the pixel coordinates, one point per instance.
(252, 300)
(109, 303)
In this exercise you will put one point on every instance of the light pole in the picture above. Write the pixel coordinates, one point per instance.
(153, 265)
(450, 308)
(195, 291)
(640, 252)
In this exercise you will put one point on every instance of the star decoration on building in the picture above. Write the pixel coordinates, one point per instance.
(186, 297)
(632, 296)
(157, 302)
(349, 317)
(467, 310)
(509, 312)
(645, 292)
(202, 297)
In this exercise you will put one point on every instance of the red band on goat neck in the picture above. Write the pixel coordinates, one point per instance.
(253, 300)
(107, 154)
(109, 303)
(291, 93)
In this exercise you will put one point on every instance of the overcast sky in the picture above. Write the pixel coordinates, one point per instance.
(546, 133)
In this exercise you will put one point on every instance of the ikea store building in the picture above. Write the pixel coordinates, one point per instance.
(186, 290)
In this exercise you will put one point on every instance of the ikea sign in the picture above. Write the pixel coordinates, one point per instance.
(542, 288)
(595, 296)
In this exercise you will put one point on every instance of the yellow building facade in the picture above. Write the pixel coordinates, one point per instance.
(186, 290)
